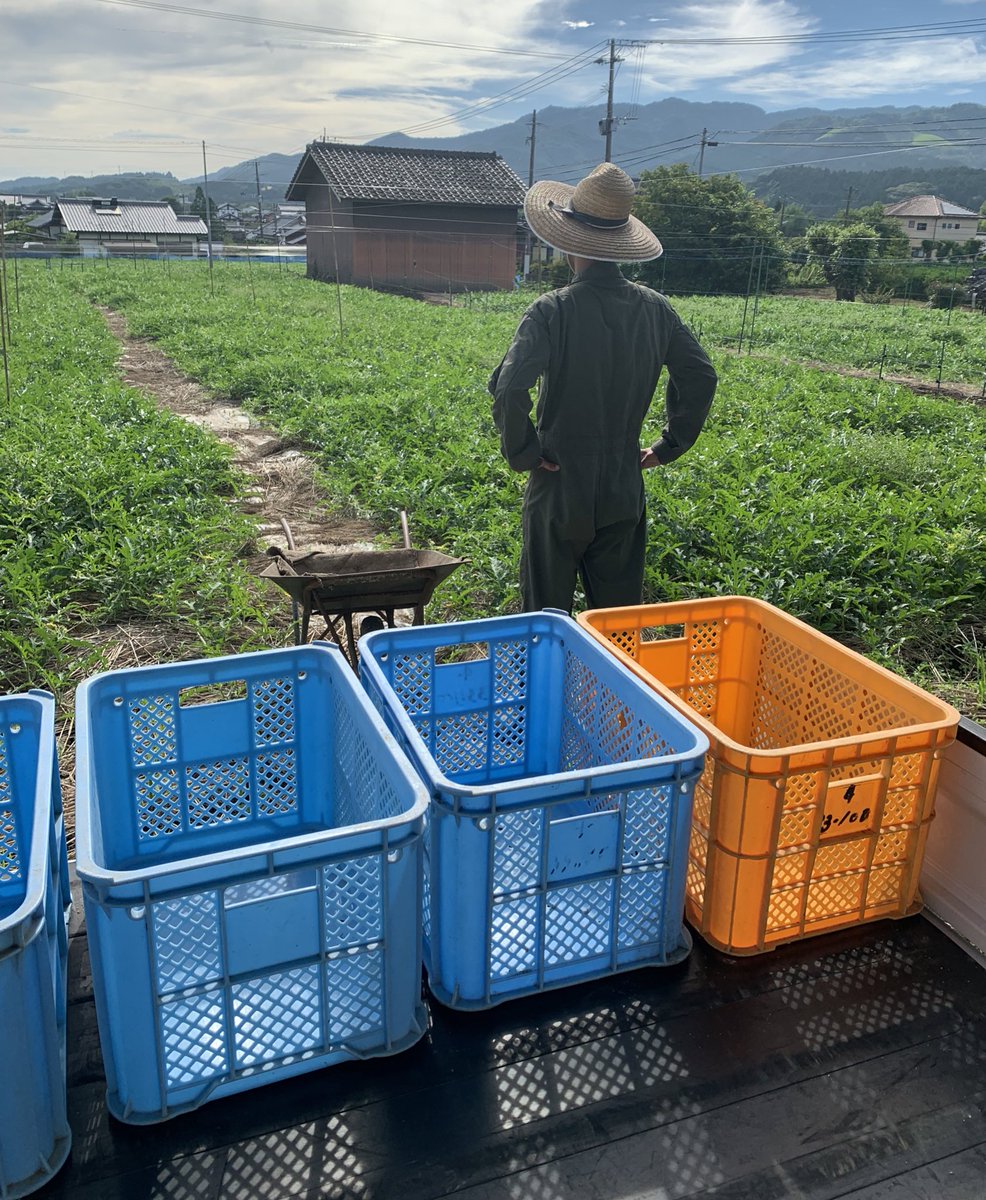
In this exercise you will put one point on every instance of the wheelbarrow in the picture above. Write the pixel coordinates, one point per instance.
(337, 587)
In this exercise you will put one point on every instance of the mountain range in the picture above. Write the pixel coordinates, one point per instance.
(910, 143)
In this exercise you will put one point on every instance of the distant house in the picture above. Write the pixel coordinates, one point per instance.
(18, 205)
(284, 224)
(929, 218)
(123, 226)
(429, 220)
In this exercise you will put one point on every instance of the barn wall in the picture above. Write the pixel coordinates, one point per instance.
(434, 247)
(329, 235)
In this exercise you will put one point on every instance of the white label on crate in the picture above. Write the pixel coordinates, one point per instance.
(850, 805)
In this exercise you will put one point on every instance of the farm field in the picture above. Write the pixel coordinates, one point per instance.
(905, 339)
(857, 505)
(110, 510)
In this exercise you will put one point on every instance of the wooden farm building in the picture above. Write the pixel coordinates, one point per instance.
(422, 220)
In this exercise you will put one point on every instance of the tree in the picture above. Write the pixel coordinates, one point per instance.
(717, 235)
(793, 218)
(845, 253)
(893, 241)
(198, 208)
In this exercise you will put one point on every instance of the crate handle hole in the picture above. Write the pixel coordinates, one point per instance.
(661, 633)
(212, 693)
(462, 652)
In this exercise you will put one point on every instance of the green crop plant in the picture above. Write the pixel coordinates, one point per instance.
(109, 509)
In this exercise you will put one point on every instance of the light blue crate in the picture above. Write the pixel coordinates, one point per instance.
(34, 901)
(561, 803)
(249, 836)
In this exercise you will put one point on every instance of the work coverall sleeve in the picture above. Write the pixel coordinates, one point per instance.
(691, 386)
(510, 385)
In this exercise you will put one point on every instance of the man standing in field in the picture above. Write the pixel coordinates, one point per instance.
(597, 347)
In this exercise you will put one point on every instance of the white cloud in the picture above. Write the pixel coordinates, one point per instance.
(679, 68)
(873, 69)
(582, 24)
(76, 72)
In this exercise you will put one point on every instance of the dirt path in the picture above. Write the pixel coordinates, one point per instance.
(282, 485)
(283, 478)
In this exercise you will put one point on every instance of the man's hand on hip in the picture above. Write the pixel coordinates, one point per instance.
(545, 465)
(648, 459)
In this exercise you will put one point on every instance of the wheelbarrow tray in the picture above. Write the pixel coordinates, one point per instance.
(362, 578)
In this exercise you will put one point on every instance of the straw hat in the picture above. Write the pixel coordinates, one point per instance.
(592, 219)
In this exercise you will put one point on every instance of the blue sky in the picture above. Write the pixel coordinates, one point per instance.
(91, 86)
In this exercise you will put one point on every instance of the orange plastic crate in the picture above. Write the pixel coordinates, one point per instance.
(814, 807)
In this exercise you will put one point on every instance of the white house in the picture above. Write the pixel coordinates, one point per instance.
(123, 226)
(930, 218)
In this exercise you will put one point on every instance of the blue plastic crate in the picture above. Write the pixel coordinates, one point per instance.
(34, 900)
(250, 841)
(561, 803)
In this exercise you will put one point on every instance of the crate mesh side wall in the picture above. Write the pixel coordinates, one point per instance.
(12, 866)
(487, 736)
(599, 727)
(212, 1028)
(800, 698)
(575, 920)
(363, 792)
(34, 1130)
(173, 796)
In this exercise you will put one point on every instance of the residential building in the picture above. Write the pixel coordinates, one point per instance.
(19, 205)
(416, 220)
(932, 219)
(123, 226)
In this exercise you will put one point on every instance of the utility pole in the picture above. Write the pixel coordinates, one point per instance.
(701, 154)
(846, 214)
(606, 126)
(532, 139)
(530, 183)
(260, 211)
(208, 214)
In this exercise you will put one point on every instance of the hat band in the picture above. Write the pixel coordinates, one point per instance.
(589, 219)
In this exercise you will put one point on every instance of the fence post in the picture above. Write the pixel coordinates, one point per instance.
(941, 363)
(883, 359)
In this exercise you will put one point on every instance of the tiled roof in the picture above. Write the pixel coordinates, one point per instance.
(415, 176)
(136, 217)
(928, 206)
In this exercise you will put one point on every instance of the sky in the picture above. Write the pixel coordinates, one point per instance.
(100, 86)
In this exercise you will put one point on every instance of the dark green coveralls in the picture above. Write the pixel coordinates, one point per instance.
(597, 347)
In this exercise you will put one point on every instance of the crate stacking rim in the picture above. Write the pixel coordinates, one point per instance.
(813, 810)
(35, 901)
(561, 795)
(252, 875)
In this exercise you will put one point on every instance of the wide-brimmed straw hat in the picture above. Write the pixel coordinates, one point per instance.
(592, 219)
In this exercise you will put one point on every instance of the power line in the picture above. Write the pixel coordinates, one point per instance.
(536, 84)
